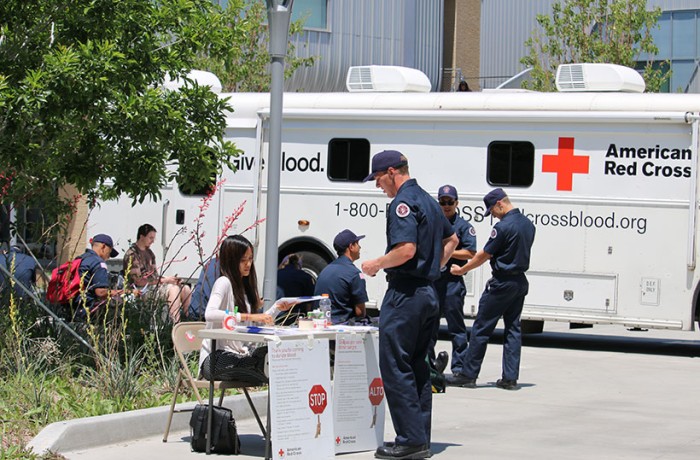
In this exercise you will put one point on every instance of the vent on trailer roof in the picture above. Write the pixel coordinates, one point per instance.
(598, 77)
(382, 79)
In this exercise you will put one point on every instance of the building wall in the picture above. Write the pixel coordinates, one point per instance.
(461, 44)
(506, 24)
(371, 32)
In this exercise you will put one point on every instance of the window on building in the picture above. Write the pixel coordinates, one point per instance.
(314, 13)
(678, 40)
(510, 163)
(348, 159)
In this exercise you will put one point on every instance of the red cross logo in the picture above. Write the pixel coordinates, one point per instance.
(281, 453)
(337, 440)
(565, 164)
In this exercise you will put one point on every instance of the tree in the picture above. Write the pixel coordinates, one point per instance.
(81, 100)
(612, 31)
(243, 67)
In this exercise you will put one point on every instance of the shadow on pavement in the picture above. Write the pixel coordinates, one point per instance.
(597, 342)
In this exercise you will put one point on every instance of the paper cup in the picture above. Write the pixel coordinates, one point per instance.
(319, 323)
(306, 323)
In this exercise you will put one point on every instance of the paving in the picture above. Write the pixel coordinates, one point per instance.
(581, 396)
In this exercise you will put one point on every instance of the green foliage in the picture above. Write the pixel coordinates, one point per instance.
(603, 31)
(243, 66)
(46, 376)
(81, 101)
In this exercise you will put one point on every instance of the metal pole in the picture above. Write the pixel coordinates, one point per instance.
(278, 15)
(47, 309)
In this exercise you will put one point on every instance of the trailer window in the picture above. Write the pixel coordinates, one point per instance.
(511, 163)
(348, 159)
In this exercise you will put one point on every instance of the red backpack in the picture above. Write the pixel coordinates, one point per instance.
(65, 282)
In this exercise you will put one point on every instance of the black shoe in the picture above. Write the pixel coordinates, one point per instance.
(405, 452)
(507, 384)
(460, 380)
(441, 361)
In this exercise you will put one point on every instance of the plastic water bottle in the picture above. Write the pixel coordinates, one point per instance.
(325, 306)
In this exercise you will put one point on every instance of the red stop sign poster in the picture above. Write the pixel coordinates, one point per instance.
(318, 399)
(376, 391)
(376, 395)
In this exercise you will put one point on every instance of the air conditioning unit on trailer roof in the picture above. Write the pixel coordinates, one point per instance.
(383, 79)
(598, 77)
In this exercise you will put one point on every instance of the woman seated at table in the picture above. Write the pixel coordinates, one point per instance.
(237, 286)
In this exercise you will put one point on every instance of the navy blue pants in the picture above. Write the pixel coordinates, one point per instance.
(406, 323)
(451, 292)
(503, 297)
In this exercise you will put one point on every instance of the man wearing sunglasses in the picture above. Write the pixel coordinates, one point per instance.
(450, 288)
(420, 241)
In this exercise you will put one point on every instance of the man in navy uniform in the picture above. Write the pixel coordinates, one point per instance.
(450, 288)
(343, 281)
(93, 272)
(22, 267)
(420, 241)
(508, 250)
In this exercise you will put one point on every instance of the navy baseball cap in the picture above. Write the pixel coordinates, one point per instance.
(344, 239)
(105, 239)
(384, 160)
(492, 198)
(447, 190)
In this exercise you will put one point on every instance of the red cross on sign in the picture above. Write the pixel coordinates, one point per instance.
(565, 164)
(318, 399)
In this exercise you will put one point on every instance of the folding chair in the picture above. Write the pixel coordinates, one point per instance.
(185, 341)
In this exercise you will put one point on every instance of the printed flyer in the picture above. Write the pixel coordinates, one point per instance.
(358, 394)
(301, 408)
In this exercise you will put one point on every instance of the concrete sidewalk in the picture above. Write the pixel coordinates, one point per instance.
(572, 404)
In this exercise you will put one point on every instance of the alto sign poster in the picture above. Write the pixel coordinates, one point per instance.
(358, 394)
(300, 400)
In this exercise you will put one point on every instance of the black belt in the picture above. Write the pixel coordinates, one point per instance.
(396, 278)
(504, 273)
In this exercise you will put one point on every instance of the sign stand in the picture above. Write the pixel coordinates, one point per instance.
(358, 394)
(302, 420)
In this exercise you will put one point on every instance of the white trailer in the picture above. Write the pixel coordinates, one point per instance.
(608, 178)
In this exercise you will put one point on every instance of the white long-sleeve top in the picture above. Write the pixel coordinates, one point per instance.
(222, 299)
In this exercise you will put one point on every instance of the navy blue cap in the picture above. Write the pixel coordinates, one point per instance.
(447, 190)
(105, 239)
(344, 239)
(384, 160)
(492, 198)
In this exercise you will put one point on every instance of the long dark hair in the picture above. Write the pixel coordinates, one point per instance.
(232, 250)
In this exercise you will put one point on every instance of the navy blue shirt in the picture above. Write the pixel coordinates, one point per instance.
(202, 290)
(510, 243)
(97, 276)
(345, 285)
(415, 217)
(295, 282)
(24, 271)
(466, 234)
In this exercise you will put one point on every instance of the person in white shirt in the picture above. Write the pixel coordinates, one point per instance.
(236, 287)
